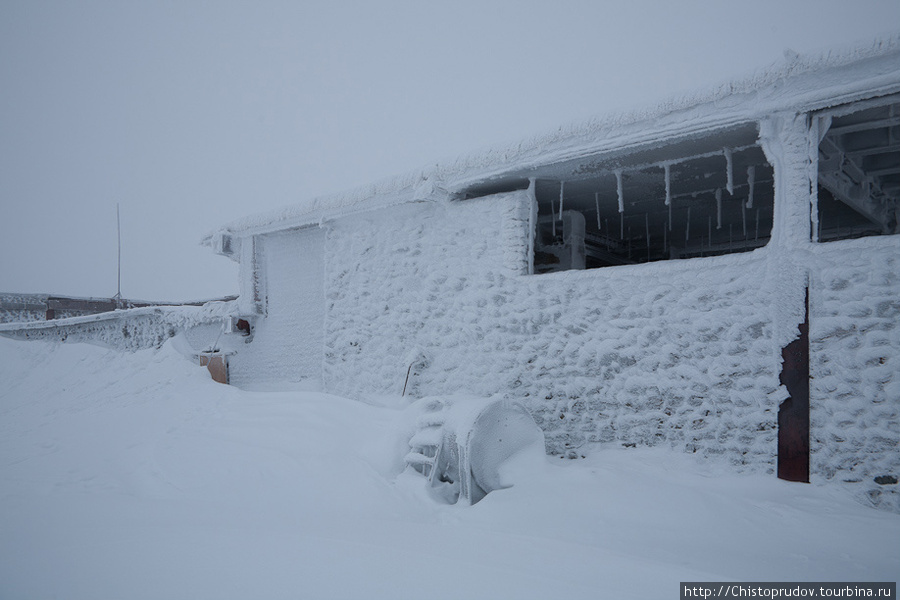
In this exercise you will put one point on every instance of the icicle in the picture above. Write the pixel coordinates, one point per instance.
(687, 227)
(668, 184)
(647, 231)
(647, 228)
(621, 226)
(729, 171)
(553, 218)
(619, 191)
(670, 217)
(597, 204)
(751, 179)
(719, 208)
(744, 219)
(562, 187)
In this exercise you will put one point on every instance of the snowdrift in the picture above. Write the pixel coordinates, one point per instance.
(134, 475)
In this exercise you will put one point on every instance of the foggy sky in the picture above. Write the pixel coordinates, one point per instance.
(191, 114)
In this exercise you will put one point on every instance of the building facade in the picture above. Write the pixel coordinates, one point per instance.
(720, 275)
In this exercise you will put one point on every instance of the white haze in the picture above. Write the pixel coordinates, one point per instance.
(192, 114)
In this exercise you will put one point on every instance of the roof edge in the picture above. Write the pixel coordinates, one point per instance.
(444, 179)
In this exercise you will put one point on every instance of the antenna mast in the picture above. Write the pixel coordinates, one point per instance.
(119, 259)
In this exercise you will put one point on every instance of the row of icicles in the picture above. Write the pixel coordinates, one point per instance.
(667, 167)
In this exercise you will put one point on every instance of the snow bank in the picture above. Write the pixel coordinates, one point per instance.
(464, 445)
(132, 475)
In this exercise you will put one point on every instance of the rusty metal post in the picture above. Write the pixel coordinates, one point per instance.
(793, 414)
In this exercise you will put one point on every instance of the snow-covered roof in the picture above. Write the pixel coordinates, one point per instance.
(800, 83)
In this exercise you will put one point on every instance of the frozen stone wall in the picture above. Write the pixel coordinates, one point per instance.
(683, 353)
(855, 365)
(396, 283)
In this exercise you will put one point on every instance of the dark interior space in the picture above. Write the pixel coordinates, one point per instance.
(859, 171)
(695, 196)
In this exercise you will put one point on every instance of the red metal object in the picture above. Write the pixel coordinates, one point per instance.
(793, 414)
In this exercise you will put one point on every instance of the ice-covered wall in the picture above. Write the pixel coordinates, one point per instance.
(855, 365)
(400, 283)
(287, 343)
(684, 353)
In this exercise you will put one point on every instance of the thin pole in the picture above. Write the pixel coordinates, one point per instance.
(119, 259)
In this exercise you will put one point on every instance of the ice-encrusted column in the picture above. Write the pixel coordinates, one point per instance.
(785, 138)
(517, 232)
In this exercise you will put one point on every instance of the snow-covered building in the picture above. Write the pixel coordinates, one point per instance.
(720, 274)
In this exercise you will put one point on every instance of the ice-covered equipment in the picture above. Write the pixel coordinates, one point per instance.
(461, 444)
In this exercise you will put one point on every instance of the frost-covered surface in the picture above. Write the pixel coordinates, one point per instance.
(465, 445)
(685, 353)
(855, 365)
(816, 80)
(133, 475)
(25, 308)
(129, 329)
(291, 299)
(22, 307)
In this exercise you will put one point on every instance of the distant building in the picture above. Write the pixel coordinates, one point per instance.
(24, 308)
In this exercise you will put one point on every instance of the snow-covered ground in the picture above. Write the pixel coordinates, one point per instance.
(136, 476)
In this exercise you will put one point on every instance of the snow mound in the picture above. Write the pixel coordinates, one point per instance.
(133, 475)
(463, 445)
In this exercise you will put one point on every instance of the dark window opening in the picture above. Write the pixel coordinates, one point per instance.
(859, 171)
(700, 197)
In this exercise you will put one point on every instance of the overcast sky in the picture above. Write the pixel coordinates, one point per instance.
(191, 114)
